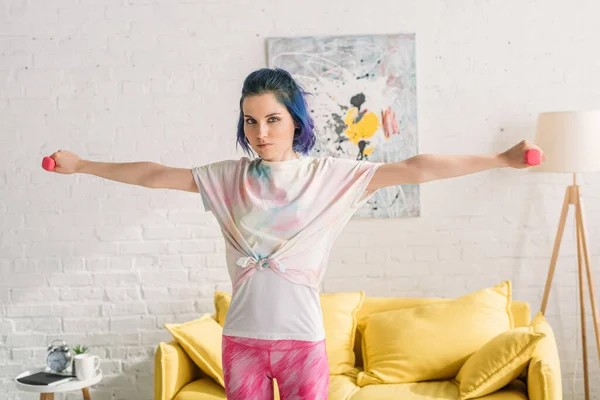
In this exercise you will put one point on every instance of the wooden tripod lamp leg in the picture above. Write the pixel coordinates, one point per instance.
(557, 241)
(586, 383)
(590, 279)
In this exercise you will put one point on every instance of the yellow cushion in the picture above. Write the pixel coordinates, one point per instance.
(442, 390)
(544, 375)
(516, 390)
(432, 341)
(413, 391)
(497, 363)
(372, 305)
(339, 319)
(222, 301)
(521, 313)
(341, 387)
(202, 389)
(201, 340)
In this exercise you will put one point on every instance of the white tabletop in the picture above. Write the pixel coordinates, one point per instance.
(74, 384)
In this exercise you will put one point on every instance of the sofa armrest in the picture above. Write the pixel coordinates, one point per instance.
(544, 380)
(173, 369)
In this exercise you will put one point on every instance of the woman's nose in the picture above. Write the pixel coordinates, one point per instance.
(263, 130)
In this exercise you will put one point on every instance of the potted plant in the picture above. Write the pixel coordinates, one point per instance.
(77, 349)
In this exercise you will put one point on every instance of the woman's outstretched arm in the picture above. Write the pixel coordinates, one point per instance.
(146, 174)
(430, 167)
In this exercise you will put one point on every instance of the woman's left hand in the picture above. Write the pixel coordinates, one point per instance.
(515, 157)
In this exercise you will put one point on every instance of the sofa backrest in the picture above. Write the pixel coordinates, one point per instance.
(520, 310)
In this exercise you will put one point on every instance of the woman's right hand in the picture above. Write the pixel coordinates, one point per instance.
(66, 162)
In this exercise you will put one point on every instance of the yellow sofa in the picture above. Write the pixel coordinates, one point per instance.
(177, 376)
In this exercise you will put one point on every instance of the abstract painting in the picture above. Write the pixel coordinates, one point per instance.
(364, 103)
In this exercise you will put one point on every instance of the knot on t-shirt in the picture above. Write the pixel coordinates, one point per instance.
(260, 263)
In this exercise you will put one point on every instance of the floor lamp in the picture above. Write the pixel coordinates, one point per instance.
(571, 142)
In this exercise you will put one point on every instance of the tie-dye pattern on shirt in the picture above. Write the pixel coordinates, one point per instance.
(290, 211)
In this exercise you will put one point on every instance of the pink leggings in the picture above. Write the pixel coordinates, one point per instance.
(249, 366)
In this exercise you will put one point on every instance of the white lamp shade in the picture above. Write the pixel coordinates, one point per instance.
(570, 140)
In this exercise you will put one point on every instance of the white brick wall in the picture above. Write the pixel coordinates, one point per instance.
(106, 264)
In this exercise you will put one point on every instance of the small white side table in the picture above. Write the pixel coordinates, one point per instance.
(47, 392)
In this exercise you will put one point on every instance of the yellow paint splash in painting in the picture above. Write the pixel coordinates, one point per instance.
(363, 129)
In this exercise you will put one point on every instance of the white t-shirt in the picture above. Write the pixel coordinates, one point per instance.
(287, 214)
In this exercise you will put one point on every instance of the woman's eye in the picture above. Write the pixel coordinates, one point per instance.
(249, 121)
(273, 119)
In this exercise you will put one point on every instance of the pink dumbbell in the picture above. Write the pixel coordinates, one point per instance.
(48, 163)
(533, 157)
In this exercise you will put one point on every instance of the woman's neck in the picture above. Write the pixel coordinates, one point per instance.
(286, 157)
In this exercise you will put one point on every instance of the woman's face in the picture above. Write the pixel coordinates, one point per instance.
(269, 127)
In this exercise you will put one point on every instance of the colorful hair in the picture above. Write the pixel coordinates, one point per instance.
(288, 93)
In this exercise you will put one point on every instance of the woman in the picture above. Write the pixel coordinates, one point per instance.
(279, 214)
